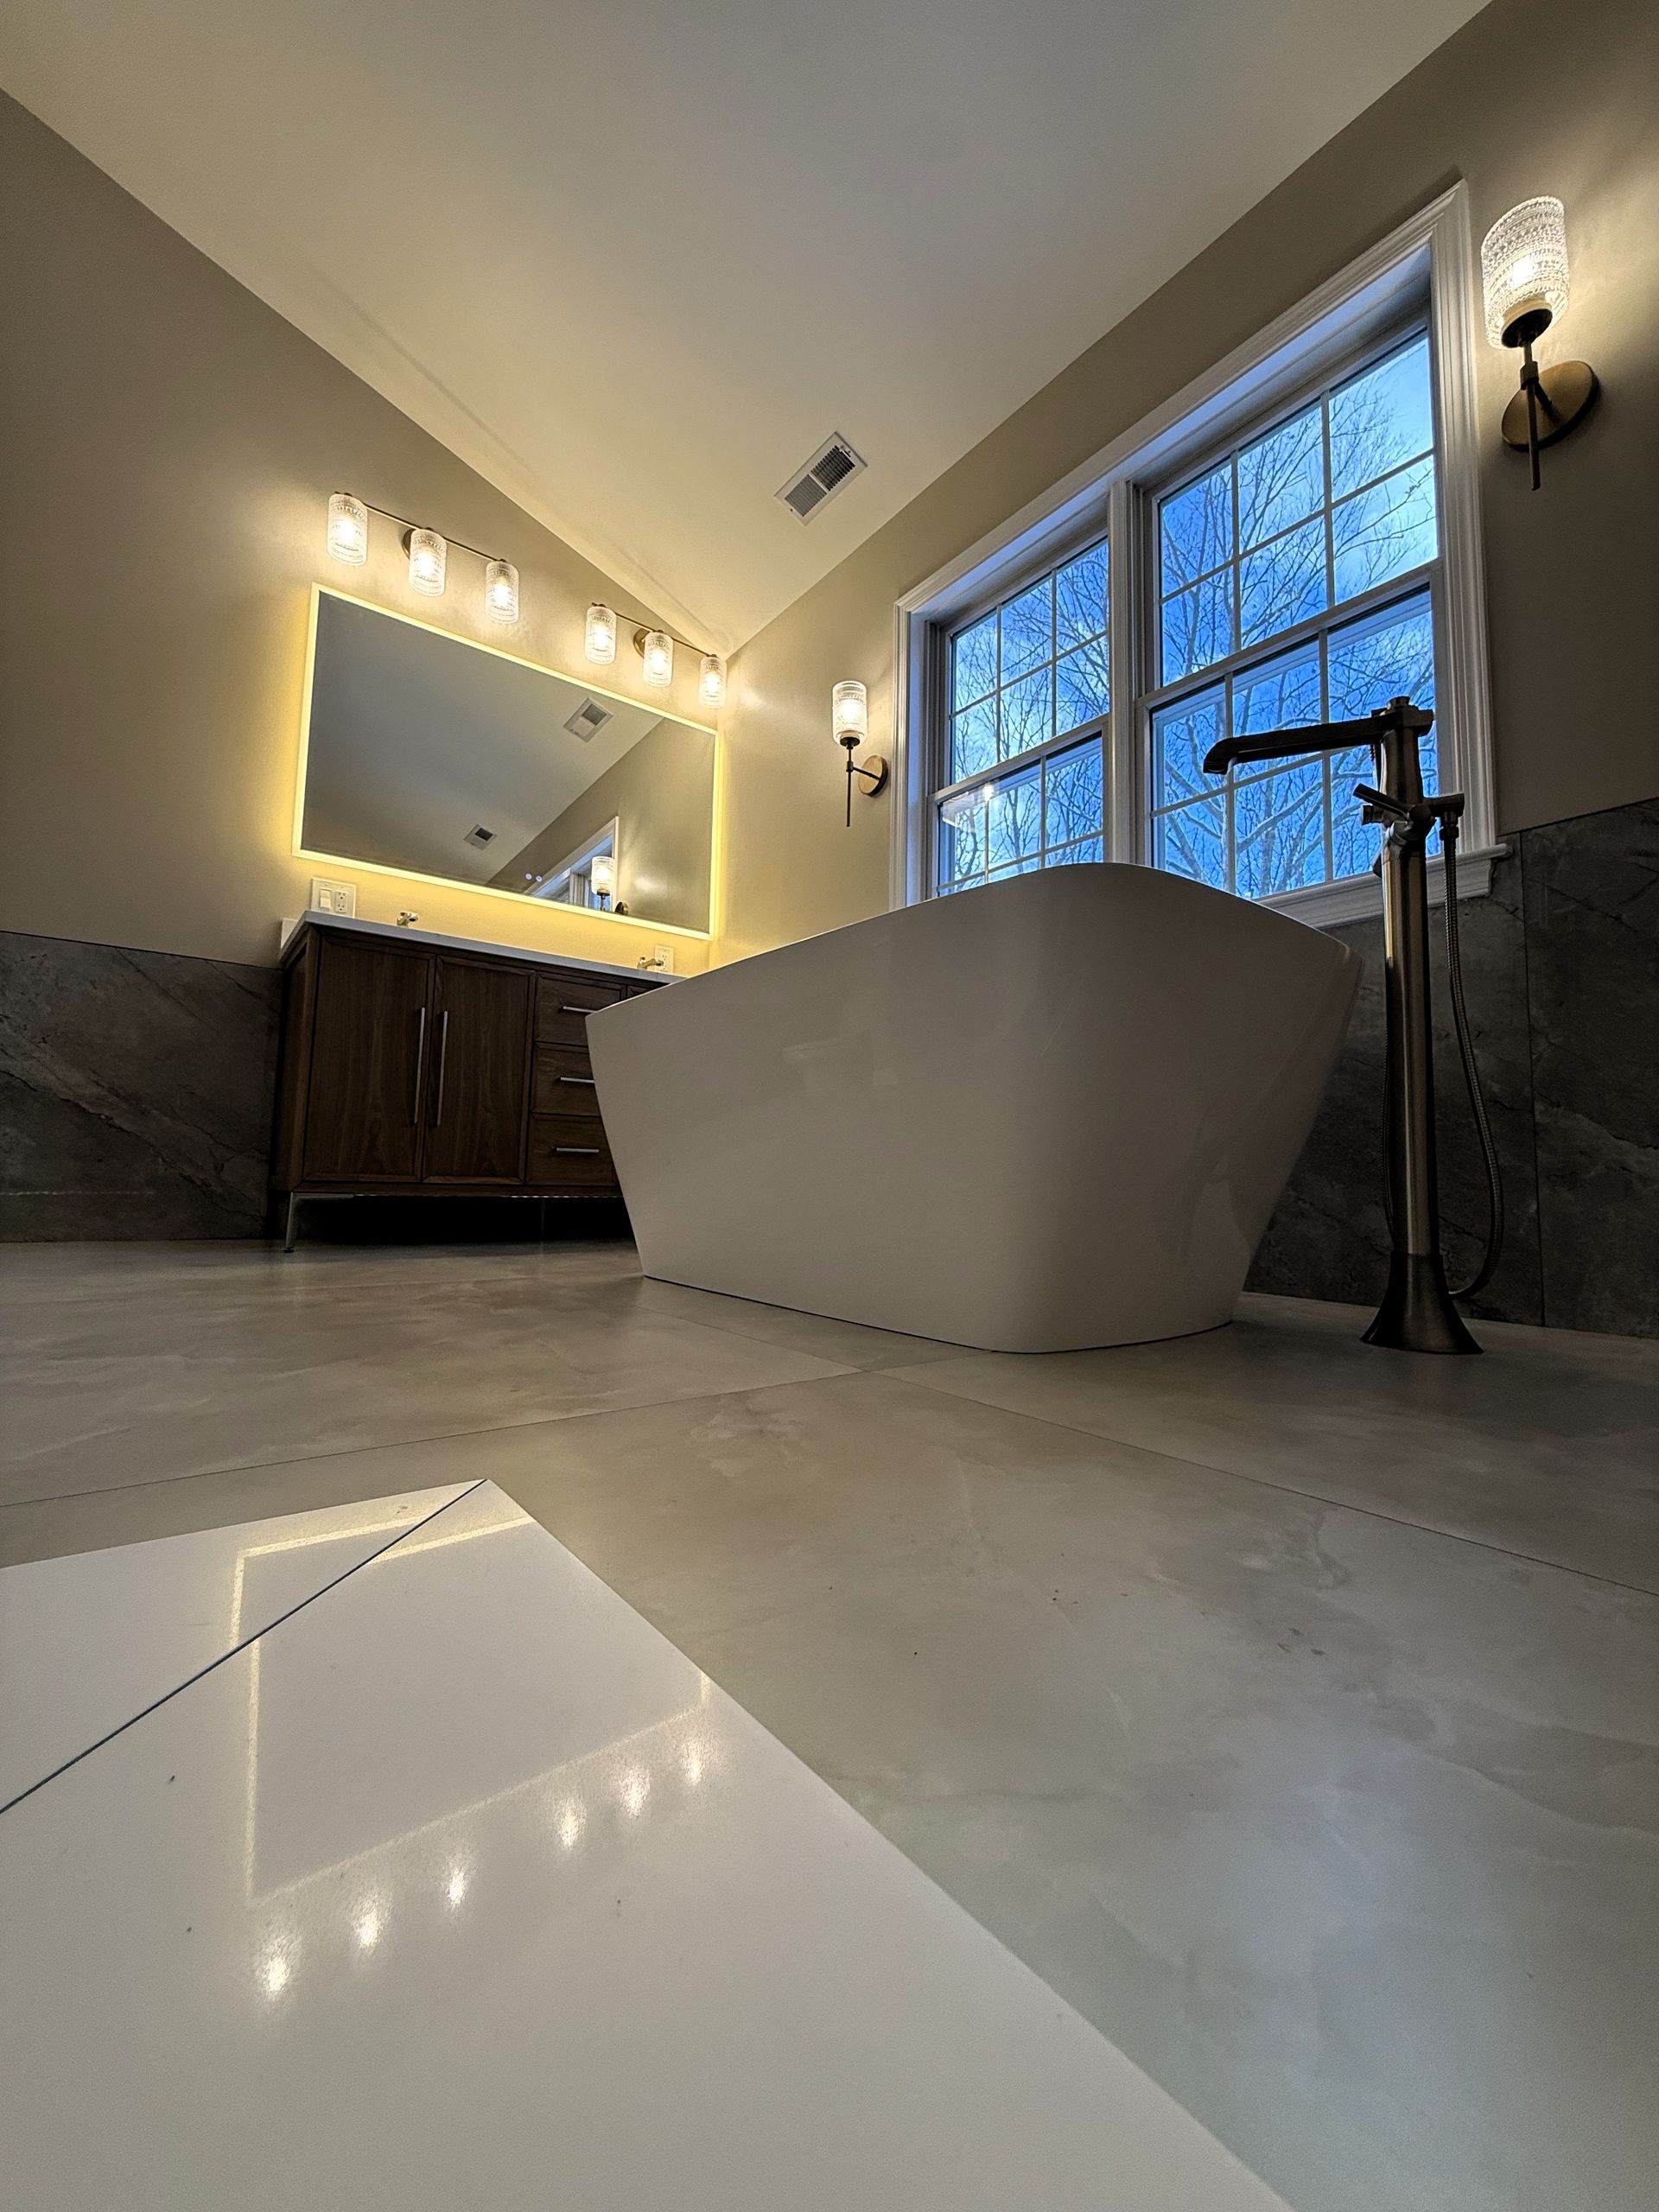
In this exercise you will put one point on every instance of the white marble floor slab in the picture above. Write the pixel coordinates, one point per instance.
(88, 1641)
(461, 1887)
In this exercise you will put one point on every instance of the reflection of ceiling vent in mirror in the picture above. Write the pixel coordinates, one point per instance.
(818, 480)
(588, 720)
(479, 835)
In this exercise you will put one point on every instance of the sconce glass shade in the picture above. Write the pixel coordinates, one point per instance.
(428, 556)
(1523, 272)
(598, 641)
(348, 529)
(711, 681)
(658, 650)
(601, 873)
(501, 590)
(849, 712)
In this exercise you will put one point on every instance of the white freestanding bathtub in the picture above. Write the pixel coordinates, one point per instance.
(1053, 1112)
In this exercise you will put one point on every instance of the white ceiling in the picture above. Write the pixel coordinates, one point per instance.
(634, 259)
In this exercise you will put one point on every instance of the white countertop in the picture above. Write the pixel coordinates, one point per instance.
(291, 926)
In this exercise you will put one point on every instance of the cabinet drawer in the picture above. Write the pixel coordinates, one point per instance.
(569, 1152)
(563, 1006)
(564, 1082)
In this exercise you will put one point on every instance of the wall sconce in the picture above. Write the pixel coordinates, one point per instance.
(711, 681)
(1523, 273)
(599, 638)
(601, 873)
(850, 718)
(655, 648)
(429, 561)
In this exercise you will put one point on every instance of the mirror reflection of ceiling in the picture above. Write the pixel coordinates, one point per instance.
(417, 740)
(634, 262)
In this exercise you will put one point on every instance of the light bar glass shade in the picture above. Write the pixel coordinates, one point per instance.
(849, 711)
(1523, 270)
(658, 651)
(711, 681)
(501, 591)
(348, 529)
(599, 641)
(428, 556)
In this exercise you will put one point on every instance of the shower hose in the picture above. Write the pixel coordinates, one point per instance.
(1483, 1275)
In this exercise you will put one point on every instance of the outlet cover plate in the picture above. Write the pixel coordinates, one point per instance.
(329, 896)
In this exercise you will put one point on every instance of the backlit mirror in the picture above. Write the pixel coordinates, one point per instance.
(427, 753)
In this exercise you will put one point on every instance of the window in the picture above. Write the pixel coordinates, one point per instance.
(1295, 539)
(1019, 791)
(1295, 577)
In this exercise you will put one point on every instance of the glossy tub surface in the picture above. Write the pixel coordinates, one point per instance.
(1053, 1112)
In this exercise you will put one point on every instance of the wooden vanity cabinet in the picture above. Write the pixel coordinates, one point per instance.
(412, 1071)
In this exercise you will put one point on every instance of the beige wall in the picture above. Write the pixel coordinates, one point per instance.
(167, 448)
(661, 793)
(1524, 99)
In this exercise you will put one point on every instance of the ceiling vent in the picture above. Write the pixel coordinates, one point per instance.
(812, 487)
(479, 835)
(588, 720)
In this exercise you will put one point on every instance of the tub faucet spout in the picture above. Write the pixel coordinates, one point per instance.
(1417, 1314)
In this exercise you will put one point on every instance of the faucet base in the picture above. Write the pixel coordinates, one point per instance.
(1417, 1314)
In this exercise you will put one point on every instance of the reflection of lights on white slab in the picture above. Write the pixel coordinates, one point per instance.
(276, 1973)
(691, 1764)
(457, 1889)
(368, 1929)
(570, 1825)
(633, 1790)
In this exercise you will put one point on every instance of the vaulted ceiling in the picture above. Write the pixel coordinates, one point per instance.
(634, 259)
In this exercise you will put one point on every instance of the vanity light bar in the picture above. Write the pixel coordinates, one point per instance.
(428, 551)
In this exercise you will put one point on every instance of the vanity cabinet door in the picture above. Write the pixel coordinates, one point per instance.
(478, 1082)
(368, 1063)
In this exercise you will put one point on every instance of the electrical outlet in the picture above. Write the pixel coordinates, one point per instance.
(664, 958)
(331, 898)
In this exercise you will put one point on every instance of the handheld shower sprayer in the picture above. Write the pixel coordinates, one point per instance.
(1417, 1312)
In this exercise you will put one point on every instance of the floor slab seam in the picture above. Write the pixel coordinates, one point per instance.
(837, 1371)
(1261, 1482)
(242, 1645)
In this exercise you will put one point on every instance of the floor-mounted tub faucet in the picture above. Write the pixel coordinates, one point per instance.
(1417, 1312)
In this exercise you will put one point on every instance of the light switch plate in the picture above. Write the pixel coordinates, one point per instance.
(331, 898)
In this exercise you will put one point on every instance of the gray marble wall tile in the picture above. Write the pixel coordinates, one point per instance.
(1593, 955)
(135, 1092)
(1329, 1237)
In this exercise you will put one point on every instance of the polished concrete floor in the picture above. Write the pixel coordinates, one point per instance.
(1291, 1708)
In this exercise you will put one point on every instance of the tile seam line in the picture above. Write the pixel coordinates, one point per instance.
(437, 1436)
(220, 1660)
(1283, 1490)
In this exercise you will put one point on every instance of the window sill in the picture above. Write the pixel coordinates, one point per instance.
(1356, 898)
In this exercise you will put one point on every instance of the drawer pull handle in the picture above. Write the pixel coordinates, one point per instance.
(587, 1081)
(584, 1011)
(578, 1151)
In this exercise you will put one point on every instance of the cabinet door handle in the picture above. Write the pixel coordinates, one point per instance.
(579, 1151)
(587, 1082)
(443, 1063)
(420, 1068)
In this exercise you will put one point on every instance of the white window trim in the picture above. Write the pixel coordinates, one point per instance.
(1434, 247)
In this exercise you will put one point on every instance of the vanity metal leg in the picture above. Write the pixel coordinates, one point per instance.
(293, 1222)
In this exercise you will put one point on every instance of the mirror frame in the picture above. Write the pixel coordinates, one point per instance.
(304, 852)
